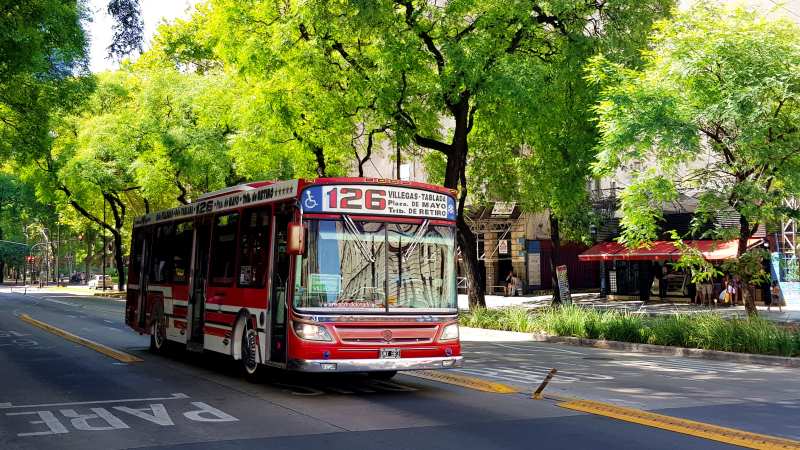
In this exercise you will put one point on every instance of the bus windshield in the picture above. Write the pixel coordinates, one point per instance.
(363, 266)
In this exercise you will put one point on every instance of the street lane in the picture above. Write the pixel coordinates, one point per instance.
(55, 394)
(756, 398)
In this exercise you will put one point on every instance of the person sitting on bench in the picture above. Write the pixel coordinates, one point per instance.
(511, 284)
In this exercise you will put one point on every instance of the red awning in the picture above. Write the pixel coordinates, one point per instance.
(603, 251)
(663, 250)
(657, 251)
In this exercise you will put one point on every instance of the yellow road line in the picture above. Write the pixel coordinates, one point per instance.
(108, 351)
(463, 381)
(684, 426)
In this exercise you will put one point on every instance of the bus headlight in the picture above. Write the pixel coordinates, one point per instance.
(449, 333)
(311, 332)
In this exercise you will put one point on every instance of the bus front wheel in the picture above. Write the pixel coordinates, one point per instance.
(158, 334)
(249, 361)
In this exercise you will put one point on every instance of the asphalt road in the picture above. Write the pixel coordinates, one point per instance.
(59, 395)
(755, 398)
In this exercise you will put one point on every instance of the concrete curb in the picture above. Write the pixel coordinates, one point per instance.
(486, 335)
(748, 358)
(96, 346)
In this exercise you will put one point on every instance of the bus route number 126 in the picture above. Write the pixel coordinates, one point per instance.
(350, 198)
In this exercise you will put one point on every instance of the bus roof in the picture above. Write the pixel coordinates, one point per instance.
(263, 192)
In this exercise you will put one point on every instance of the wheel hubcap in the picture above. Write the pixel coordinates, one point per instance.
(159, 331)
(249, 349)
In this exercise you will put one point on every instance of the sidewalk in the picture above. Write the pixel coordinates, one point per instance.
(539, 301)
(790, 314)
(71, 289)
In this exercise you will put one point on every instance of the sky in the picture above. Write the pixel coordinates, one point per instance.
(153, 12)
(156, 11)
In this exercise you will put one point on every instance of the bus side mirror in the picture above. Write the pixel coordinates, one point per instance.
(295, 239)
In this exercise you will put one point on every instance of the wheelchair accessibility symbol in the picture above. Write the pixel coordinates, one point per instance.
(309, 202)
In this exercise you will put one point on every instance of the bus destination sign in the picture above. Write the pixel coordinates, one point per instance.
(237, 199)
(378, 200)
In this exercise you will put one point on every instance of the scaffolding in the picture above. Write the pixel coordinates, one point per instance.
(787, 246)
(502, 226)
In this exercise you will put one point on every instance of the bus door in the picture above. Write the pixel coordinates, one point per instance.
(137, 276)
(199, 271)
(280, 285)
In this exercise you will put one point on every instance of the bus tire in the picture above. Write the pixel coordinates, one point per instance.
(250, 367)
(382, 375)
(158, 333)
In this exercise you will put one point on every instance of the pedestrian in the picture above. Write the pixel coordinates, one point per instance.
(730, 291)
(509, 288)
(662, 283)
(736, 291)
(723, 294)
(704, 293)
(518, 288)
(775, 298)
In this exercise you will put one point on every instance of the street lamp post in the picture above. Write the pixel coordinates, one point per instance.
(603, 289)
(30, 253)
(58, 247)
(102, 230)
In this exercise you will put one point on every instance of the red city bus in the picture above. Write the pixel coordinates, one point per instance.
(330, 275)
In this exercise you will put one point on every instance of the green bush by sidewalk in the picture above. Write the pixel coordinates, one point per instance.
(707, 331)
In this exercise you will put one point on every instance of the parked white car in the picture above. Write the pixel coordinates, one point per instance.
(97, 282)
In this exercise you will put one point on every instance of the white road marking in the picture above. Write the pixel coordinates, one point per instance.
(176, 396)
(102, 419)
(58, 301)
(208, 413)
(539, 349)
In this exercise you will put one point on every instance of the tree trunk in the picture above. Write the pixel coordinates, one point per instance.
(89, 254)
(2, 263)
(455, 178)
(119, 259)
(475, 287)
(555, 256)
(744, 287)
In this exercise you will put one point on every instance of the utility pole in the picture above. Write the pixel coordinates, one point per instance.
(58, 247)
(102, 230)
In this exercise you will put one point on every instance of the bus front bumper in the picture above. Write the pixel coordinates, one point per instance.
(373, 365)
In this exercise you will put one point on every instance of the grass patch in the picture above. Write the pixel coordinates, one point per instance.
(706, 331)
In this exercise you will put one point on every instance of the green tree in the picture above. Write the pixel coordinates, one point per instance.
(430, 73)
(716, 110)
(538, 150)
(41, 45)
(91, 163)
(15, 200)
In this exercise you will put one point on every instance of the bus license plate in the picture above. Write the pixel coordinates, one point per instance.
(390, 353)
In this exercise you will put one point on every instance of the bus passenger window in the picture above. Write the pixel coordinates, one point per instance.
(223, 250)
(253, 248)
(135, 265)
(161, 263)
(181, 252)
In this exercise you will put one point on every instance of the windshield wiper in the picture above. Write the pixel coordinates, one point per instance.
(416, 239)
(350, 226)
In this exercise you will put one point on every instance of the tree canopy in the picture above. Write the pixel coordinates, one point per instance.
(715, 111)
(335, 78)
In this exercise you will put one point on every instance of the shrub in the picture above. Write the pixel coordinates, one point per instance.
(516, 319)
(567, 321)
(706, 331)
(482, 318)
(624, 327)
